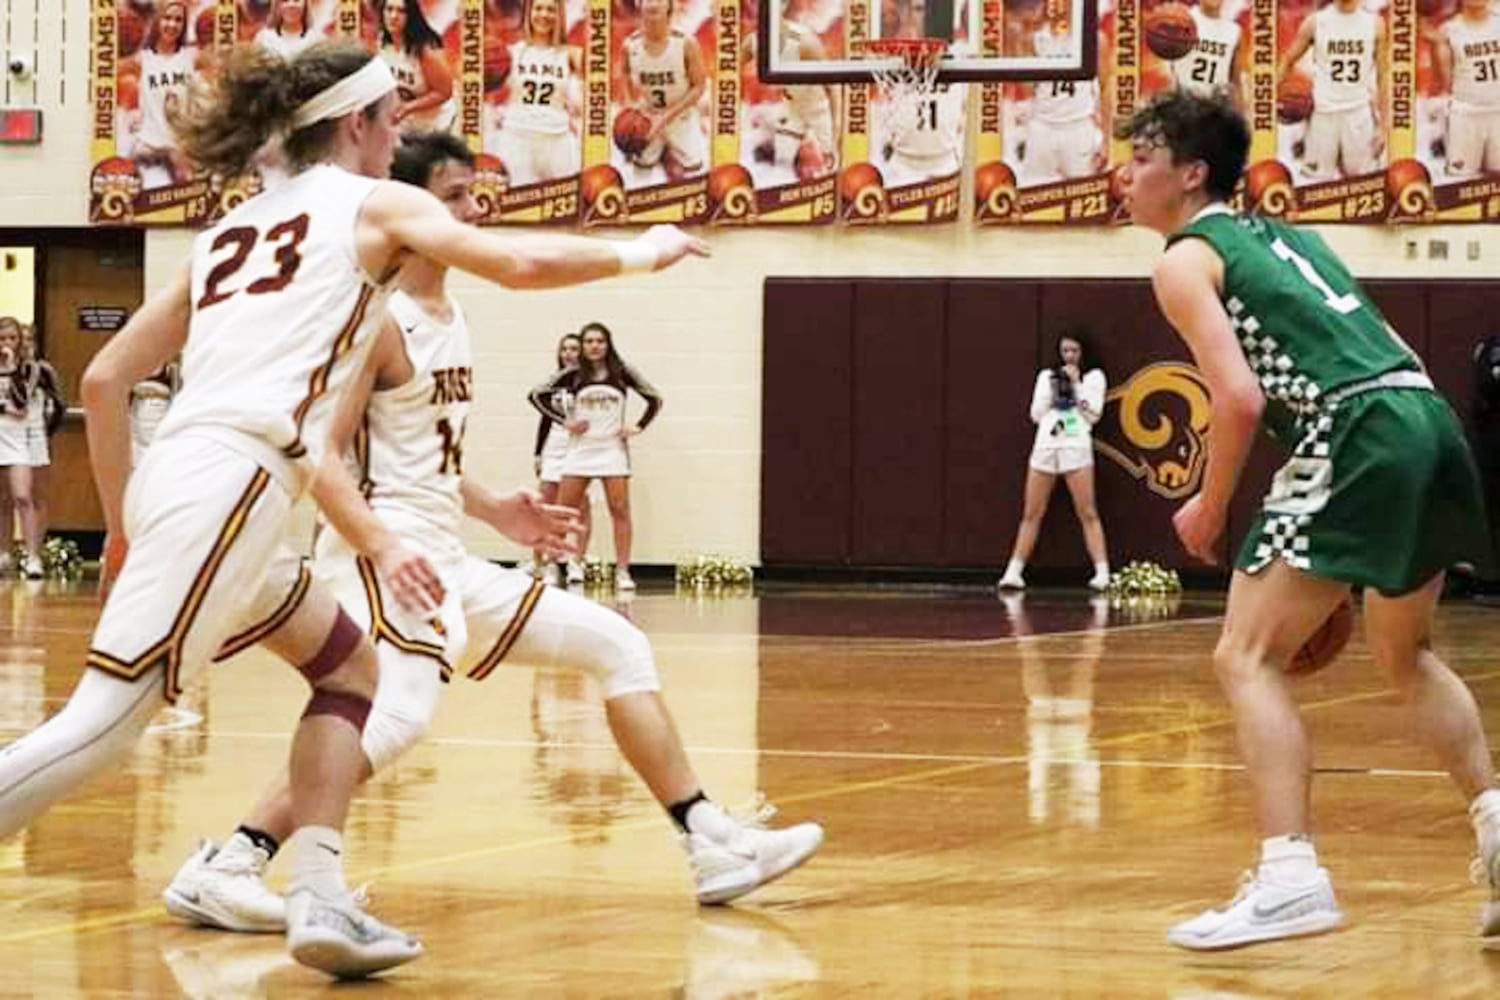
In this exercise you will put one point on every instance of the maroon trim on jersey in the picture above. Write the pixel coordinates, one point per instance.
(168, 650)
(381, 629)
(317, 383)
(509, 634)
(273, 621)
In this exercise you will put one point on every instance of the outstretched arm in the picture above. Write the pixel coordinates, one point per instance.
(1187, 282)
(1299, 47)
(399, 217)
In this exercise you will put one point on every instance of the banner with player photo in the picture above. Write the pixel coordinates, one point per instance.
(902, 148)
(648, 94)
(144, 59)
(1042, 152)
(774, 152)
(1456, 136)
(532, 82)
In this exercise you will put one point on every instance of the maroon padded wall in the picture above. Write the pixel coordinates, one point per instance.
(895, 427)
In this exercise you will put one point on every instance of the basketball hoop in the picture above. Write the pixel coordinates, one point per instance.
(907, 70)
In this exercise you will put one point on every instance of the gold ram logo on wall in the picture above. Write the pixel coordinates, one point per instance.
(1154, 427)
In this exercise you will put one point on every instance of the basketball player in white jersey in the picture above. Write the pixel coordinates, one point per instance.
(414, 52)
(272, 315)
(1063, 136)
(168, 63)
(536, 141)
(665, 78)
(1214, 62)
(1349, 85)
(810, 111)
(287, 31)
(404, 420)
(1466, 56)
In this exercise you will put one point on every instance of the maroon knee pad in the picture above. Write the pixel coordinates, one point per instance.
(353, 708)
(342, 640)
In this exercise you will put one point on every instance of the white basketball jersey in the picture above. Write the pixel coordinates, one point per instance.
(662, 79)
(281, 315)
(931, 125)
(285, 46)
(1344, 59)
(164, 83)
(1059, 102)
(1208, 67)
(412, 447)
(538, 88)
(411, 83)
(1476, 60)
(807, 103)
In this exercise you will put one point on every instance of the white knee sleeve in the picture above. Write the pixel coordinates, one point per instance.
(570, 631)
(403, 705)
(94, 732)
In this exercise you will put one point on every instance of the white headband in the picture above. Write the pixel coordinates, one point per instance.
(358, 90)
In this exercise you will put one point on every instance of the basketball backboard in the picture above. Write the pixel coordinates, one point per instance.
(823, 41)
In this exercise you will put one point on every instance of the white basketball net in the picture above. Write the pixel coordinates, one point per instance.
(905, 83)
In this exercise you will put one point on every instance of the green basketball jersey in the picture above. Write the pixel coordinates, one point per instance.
(1303, 321)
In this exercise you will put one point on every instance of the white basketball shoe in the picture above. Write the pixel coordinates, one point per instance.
(1486, 871)
(225, 887)
(1262, 911)
(337, 937)
(750, 857)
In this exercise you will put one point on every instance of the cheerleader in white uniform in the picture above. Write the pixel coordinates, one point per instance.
(536, 141)
(1065, 406)
(414, 52)
(665, 78)
(598, 432)
(15, 450)
(550, 453)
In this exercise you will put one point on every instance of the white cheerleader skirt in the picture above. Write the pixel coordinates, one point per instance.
(593, 458)
(15, 449)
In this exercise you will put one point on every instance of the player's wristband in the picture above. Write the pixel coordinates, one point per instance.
(636, 256)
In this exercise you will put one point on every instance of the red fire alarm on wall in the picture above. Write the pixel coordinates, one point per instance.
(20, 126)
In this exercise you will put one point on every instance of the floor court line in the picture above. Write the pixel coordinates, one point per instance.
(155, 915)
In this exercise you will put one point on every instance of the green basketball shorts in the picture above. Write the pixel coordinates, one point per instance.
(1381, 490)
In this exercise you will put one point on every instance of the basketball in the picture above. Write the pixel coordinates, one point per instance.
(1294, 98)
(1171, 31)
(632, 129)
(496, 61)
(811, 163)
(1324, 645)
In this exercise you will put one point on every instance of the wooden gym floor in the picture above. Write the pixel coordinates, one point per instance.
(1020, 796)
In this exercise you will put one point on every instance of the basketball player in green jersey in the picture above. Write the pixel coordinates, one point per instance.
(1380, 491)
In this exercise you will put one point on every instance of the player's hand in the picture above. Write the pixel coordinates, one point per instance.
(111, 561)
(672, 244)
(536, 524)
(412, 579)
(1199, 525)
(576, 426)
(626, 433)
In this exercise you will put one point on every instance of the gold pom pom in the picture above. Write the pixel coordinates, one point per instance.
(714, 573)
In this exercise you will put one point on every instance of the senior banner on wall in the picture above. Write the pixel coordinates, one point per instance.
(648, 85)
(1042, 150)
(775, 153)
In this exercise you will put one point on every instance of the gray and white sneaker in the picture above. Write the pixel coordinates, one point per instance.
(751, 857)
(225, 887)
(1486, 872)
(1262, 911)
(337, 937)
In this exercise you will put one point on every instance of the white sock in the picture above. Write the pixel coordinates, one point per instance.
(1016, 567)
(1289, 860)
(706, 818)
(1101, 569)
(318, 862)
(1484, 813)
